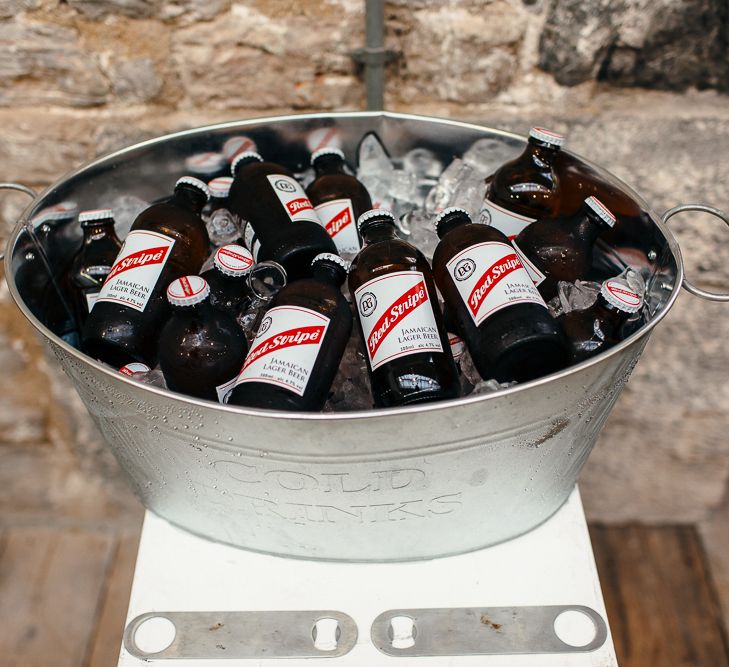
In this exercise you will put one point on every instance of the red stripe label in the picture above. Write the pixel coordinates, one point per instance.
(297, 205)
(311, 335)
(401, 308)
(339, 222)
(490, 278)
(139, 259)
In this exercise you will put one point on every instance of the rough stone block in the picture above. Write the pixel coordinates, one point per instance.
(248, 59)
(186, 11)
(11, 8)
(42, 63)
(39, 145)
(134, 80)
(452, 53)
(668, 44)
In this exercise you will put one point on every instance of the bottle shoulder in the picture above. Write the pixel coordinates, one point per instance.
(316, 295)
(466, 236)
(383, 257)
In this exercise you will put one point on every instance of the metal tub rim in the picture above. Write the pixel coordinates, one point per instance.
(348, 416)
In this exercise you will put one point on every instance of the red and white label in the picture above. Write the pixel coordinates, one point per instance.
(337, 216)
(285, 348)
(489, 277)
(507, 222)
(458, 347)
(293, 198)
(134, 367)
(397, 317)
(619, 294)
(531, 268)
(251, 240)
(136, 269)
(224, 389)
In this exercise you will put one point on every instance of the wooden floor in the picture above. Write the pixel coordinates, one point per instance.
(63, 596)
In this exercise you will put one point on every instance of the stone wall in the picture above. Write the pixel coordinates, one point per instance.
(639, 85)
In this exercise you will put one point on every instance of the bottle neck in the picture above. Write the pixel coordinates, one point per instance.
(329, 274)
(237, 279)
(195, 310)
(449, 225)
(98, 231)
(589, 226)
(329, 164)
(190, 198)
(541, 154)
(609, 314)
(380, 231)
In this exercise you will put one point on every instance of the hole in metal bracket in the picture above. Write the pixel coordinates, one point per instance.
(155, 634)
(575, 628)
(402, 632)
(326, 633)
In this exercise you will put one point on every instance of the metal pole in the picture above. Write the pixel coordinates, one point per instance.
(374, 50)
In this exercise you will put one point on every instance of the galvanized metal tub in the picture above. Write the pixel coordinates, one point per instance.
(397, 484)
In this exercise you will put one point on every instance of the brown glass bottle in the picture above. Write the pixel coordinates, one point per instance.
(280, 221)
(167, 240)
(201, 349)
(227, 279)
(561, 248)
(408, 354)
(526, 188)
(499, 313)
(93, 262)
(299, 343)
(597, 328)
(580, 180)
(339, 199)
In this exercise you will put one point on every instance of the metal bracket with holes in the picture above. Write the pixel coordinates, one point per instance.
(249, 634)
(481, 631)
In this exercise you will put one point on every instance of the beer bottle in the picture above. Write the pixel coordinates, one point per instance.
(408, 354)
(201, 349)
(561, 248)
(227, 279)
(579, 180)
(280, 221)
(299, 343)
(498, 312)
(597, 328)
(526, 188)
(338, 198)
(167, 240)
(92, 263)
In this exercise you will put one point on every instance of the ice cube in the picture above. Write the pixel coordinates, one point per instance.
(126, 209)
(441, 195)
(417, 227)
(351, 387)
(373, 159)
(574, 296)
(490, 386)
(488, 154)
(422, 163)
(223, 227)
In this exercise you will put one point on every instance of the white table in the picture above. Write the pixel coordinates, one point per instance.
(551, 565)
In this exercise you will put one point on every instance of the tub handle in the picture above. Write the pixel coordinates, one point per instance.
(687, 285)
(20, 188)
